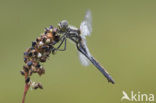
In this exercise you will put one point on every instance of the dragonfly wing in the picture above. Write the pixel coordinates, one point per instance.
(86, 25)
(84, 61)
(86, 29)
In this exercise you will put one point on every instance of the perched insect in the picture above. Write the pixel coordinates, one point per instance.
(78, 36)
(45, 44)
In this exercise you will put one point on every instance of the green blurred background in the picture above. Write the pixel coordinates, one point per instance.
(123, 41)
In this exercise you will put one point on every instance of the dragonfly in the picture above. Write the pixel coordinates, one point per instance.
(78, 36)
(45, 44)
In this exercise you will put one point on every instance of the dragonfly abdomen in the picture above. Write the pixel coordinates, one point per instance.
(102, 70)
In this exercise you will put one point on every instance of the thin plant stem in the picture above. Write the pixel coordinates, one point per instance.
(26, 88)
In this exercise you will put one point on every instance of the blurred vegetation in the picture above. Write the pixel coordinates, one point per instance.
(123, 41)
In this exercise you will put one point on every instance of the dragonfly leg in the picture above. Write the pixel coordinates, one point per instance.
(65, 40)
(57, 49)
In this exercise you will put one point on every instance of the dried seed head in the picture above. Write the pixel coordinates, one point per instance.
(37, 53)
(22, 72)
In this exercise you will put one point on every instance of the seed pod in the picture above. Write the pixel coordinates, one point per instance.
(35, 53)
(44, 40)
(49, 35)
(46, 29)
(33, 69)
(50, 27)
(48, 41)
(27, 80)
(44, 47)
(25, 68)
(30, 54)
(33, 44)
(38, 39)
(42, 59)
(30, 72)
(40, 86)
(54, 32)
(25, 60)
(29, 63)
(41, 70)
(40, 43)
(35, 87)
(38, 65)
(25, 53)
(39, 55)
(22, 72)
(32, 48)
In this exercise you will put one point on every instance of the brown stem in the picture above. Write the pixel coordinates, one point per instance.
(26, 88)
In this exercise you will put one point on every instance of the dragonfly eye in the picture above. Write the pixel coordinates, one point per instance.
(63, 25)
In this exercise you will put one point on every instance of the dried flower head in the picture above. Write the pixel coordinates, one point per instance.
(37, 54)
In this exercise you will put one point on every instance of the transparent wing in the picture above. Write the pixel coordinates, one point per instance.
(86, 25)
(84, 61)
(86, 29)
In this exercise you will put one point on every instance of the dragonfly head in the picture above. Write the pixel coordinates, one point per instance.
(63, 25)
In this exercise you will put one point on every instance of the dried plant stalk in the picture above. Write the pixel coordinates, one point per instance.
(37, 54)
